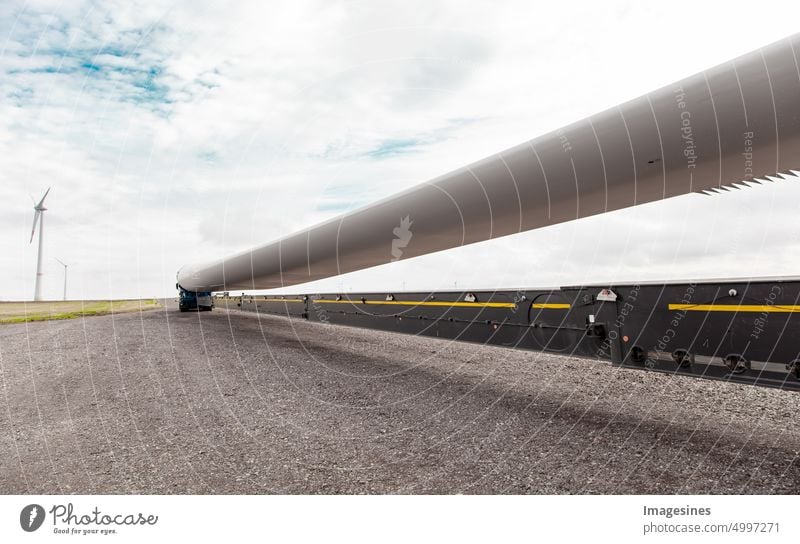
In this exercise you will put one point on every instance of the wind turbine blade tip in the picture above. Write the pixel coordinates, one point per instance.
(45, 196)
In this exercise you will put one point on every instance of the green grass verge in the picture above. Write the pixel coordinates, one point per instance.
(25, 312)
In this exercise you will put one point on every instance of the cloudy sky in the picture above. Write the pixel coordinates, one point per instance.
(177, 132)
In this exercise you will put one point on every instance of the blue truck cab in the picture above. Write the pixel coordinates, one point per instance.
(191, 300)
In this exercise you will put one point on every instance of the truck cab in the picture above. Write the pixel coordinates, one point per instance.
(191, 300)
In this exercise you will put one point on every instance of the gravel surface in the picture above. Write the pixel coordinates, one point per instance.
(233, 402)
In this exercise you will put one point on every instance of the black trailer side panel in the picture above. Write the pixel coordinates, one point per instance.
(743, 331)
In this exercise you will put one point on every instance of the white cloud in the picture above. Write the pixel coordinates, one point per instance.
(192, 130)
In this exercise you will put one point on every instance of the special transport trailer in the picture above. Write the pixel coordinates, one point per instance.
(745, 331)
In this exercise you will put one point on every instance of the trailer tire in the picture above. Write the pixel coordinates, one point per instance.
(683, 358)
(638, 355)
(736, 363)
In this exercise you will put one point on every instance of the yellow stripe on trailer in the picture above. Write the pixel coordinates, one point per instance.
(759, 308)
(550, 306)
(422, 303)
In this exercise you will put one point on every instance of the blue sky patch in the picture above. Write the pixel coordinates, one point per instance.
(394, 146)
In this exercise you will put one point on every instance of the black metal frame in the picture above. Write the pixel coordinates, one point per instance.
(744, 331)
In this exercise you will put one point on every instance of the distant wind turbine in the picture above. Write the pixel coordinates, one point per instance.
(38, 215)
(65, 276)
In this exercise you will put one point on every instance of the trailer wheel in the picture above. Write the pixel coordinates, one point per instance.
(736, 363)
(638, 355)
(683, 358)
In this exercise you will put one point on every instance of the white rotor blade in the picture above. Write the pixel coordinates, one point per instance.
(735, 122)
(39, 205)
(35, 219)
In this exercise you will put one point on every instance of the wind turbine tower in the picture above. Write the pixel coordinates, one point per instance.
(62, 263)
(38, 215)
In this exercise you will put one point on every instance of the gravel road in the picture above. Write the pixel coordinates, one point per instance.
(233, 402)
